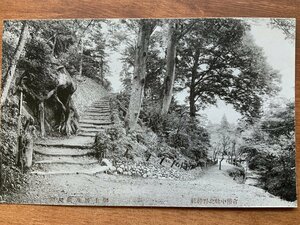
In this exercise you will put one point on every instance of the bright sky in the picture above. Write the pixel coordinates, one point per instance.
(280, 55)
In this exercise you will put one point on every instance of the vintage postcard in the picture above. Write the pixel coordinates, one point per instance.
(149, 112)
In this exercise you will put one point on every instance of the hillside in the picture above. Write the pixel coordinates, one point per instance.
(88, 91)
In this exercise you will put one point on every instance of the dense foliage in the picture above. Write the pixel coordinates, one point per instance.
(270, 146)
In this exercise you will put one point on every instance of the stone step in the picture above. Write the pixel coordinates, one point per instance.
(100, 115)
(86, 134)
(100, 104)
(63, 164)
(66, 160)
(92, 125)
(88, 171)
(89, 125)
(95, 122)
(75, 142)
(97, 111)
(102, 100)
(97, 127)
(91, 130)
(54, 151)
(99, 107)
(95, 118)
(97, 114)
(59, 145)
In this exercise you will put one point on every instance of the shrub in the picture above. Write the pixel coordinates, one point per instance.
(102, 145)
(113, 143)
(11, 176)
(238, 173)
(178, 140)
(277, 173)
(115, 132)
(279, 177)
(259, 162)
(155, 121)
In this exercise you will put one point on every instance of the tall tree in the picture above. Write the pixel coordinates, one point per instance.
(155, 69)
(146, 28)
(170, 74)
(174, 36)
(11, 70)
(80, 37)
(224, 133)
(219, 60)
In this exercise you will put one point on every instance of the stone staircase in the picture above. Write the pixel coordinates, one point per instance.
(74, 155)
(96, 118)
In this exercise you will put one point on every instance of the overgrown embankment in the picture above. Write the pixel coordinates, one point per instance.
(142, 152)
(11, 177)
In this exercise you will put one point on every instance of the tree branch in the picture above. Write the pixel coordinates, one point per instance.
(184, 32)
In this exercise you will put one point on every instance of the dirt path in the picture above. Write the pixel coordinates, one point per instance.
(212, 189)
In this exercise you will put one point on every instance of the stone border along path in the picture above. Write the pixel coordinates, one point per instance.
(73, 155)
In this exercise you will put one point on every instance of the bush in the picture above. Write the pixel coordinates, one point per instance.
(102, 145)
(11, 177)
(198, 152)
(115, 132)
(238, 173)
(277, 173)
(279, 177)
(159, 124)
(280, 183)
(113, 143)
(259, 162)
(179, 140)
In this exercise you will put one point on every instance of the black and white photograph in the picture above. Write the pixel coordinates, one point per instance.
(189, 112)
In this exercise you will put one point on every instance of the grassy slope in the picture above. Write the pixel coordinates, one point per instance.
(88, 91)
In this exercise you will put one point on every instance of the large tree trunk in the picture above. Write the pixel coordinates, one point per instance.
(220, 163)
(12, 68)
(192, 96)
(139, 74)
(81, 58)
(233, 152)
(170, 76)
(42, 118)
(54, 43)
(66, 121)
(101, 71)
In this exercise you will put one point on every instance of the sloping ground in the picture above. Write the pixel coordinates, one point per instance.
(213, 189)
(88, 91)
